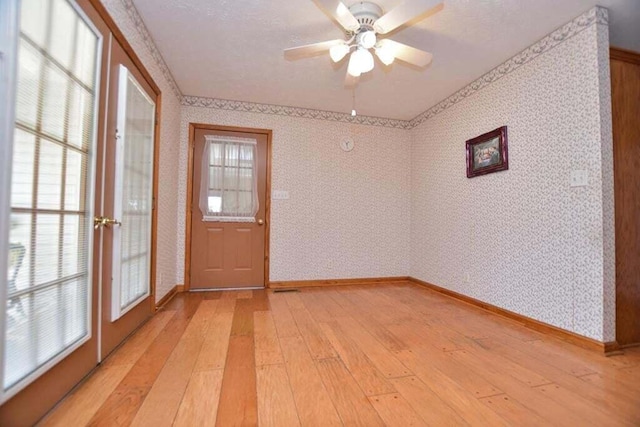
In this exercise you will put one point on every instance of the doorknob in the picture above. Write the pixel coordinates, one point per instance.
(103, 221)
(260, 222)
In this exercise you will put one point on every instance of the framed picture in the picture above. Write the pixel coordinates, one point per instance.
(487, 153)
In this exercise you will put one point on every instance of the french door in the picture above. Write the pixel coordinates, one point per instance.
(80, 205)
(126, 219)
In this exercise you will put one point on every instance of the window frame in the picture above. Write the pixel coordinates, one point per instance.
(10, 17)
(206, 182)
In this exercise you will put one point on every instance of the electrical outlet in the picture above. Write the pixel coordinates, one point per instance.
(467, 278)
(280, 195)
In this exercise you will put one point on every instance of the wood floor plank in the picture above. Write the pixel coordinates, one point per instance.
(238, 396)
(276, 406)
(527, 376)
(381, 357)
(468, 378)
(285, 324)
(199, 405)
(213, 354)
(370, 380)
(431, 408)
(314, 405)
(513, 411)
(259, 357)
(353, 406)
(415, 331)
(129, 352)
(545, 407)
(197, 327)
(79, 407)
(577, 405)
(122, 405)
(610, 399)
(314, 306)
(319, 346)
(465, 403)
(370, 322)
(395, 410)
(161, 404)
(266, 340)
(248, 294)
(620, 384)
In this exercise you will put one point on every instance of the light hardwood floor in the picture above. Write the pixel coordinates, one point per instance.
(397, 355)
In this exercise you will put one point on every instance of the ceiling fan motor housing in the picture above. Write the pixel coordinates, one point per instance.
(366, 13)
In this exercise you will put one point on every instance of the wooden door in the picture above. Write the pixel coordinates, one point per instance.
(127, 211)
(227, 253)
(625, 82)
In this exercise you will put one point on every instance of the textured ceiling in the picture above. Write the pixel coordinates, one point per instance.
(232, 49)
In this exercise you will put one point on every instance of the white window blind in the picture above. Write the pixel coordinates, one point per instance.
(133, 196)
(50, 239)
(229, 181)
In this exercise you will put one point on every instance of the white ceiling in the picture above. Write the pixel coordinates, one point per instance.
(232, 49)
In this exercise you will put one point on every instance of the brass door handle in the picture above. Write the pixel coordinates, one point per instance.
(103, 221)
(260, 222)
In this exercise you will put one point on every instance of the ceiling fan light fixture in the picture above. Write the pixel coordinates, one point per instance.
(385, 55)
(338, 52)
(368, 39)
(354, 67)
(363, 59)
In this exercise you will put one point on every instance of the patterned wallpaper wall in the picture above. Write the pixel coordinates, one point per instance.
(523, 239)
(348, 212)
(400, 202)
(127, 19)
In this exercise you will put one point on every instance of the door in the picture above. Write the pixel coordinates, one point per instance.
(50, 323)
(625, 94)
(126, 219)
(228, 206)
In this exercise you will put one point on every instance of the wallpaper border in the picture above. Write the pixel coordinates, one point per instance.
(596, 15)
(281, 110)
(139, 24)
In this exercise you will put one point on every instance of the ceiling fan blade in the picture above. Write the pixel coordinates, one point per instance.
(403, 13)
(310, 49)
(340, 12)
(406, 53)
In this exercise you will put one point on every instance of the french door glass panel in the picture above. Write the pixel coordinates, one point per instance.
(133, 200)
(50, 238)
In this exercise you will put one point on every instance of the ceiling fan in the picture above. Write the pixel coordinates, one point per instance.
(363, 22)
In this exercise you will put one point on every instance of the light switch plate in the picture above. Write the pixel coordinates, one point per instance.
(579, 178)
(280, 195)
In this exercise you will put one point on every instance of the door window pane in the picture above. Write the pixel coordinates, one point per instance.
(229, 186)
(133, 198)
(47, 304)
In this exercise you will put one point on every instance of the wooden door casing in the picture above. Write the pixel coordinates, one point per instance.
(200, 234)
